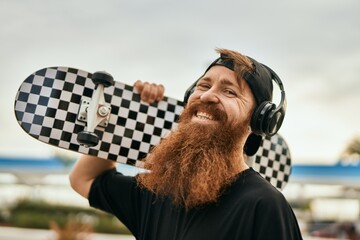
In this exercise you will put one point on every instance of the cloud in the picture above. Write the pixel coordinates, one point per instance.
(312, 45)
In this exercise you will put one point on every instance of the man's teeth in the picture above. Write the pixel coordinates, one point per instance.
(203, 115)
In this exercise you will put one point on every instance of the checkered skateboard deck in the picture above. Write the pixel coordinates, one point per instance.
(273, 161)
(49, 101)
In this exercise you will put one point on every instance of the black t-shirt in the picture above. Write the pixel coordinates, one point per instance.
(250, 209)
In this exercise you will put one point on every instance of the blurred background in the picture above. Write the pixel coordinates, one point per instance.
(312, 45)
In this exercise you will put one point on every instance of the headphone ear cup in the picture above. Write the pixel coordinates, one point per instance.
(274, 121)
(259, 120)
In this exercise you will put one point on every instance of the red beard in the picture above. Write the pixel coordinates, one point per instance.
(194, 164)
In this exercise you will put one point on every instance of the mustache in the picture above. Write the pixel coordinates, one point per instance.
(197, 106)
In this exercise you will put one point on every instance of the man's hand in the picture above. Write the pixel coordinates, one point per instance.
(149, 92)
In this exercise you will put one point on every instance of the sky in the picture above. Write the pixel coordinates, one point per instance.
(314, 46)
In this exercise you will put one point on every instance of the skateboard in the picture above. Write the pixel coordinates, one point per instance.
(90, 113)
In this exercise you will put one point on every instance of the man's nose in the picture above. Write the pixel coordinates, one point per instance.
(209, 96)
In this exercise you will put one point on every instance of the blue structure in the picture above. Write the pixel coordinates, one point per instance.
(40, 165)
(46, 166)
(341, 173)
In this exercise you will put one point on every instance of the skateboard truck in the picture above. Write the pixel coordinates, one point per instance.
(94, 111)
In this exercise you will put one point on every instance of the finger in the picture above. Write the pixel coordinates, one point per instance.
(160, 93)
(153, 94)
(139, 86)
(149, 93)
(145, 94)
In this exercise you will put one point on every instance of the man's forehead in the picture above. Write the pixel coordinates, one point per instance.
(222, 75)
(217, 71)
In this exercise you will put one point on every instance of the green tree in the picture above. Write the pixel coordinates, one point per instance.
(352, 150)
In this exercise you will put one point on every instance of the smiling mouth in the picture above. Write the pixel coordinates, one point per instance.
(204, 116)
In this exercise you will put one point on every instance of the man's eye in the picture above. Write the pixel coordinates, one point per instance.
(203, 86)
(230, 92)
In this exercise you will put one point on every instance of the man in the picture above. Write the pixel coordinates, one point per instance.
(198, 186)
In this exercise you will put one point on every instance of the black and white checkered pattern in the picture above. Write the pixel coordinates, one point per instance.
(273, 161)
(48, 102)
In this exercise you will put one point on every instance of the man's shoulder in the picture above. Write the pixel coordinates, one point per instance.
(251, 185)
(112, 179)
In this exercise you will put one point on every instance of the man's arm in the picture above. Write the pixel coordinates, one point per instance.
(87, 167)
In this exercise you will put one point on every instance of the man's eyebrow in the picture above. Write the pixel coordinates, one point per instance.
(227, 82)
(223, 81)
(207, 79)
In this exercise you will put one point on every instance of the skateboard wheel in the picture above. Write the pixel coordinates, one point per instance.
(87, 139)
(103, 78)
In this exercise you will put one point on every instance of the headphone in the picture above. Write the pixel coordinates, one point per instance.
(267, 118)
